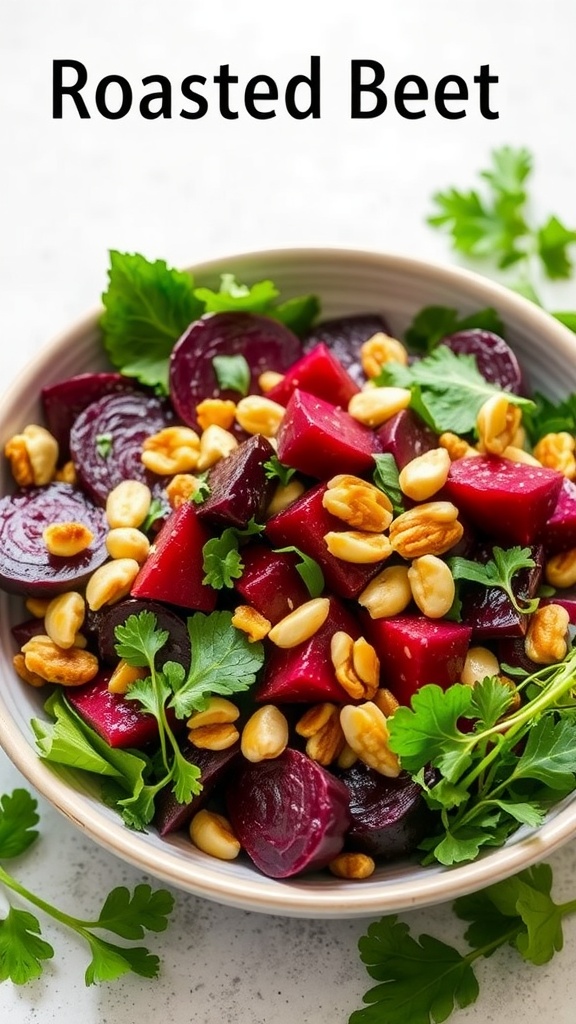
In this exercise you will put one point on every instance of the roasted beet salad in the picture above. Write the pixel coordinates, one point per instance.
(301, 588)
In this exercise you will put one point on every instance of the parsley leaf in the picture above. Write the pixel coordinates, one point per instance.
(202, 489)
(498, 572)
(386, 478)
(553, 242)
(550, 417)
(433, 323)
(18, 816)
(21, 947)
(276, 470)
(232, 373)
(155, 512)
(308, 569)
(235, 296)
(221, 559)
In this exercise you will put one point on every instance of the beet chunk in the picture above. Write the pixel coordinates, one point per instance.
(127, 419)
(64, 401)
(173, 571)
(389, 816)
(239, 487)
(321, 440)
(405, 436)
(489, 610)
(289, 814)
(119, 721)
(265, 344)
(559, 533)
(213, 764)
(494, 358)
(26, 567)
(270, 582)
(507, 501)
(320, 374)
(344, 336)
(414, 650)
(104, 622)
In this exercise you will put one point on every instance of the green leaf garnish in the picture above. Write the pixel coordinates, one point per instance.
(386, 478)
(276, 470)
(104, 445)
(232, 373)
(308, 569)
(235, 296)
(433, 323)
(221, 559)
(498, 571)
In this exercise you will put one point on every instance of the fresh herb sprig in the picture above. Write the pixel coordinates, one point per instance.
(423, 980)
(221, 558)
(498, 571)
(127, 915)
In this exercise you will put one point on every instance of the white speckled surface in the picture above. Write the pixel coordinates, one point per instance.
(186, 191)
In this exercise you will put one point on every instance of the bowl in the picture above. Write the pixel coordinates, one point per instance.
(347, 282)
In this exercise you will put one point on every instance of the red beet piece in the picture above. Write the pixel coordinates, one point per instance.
(508, 501)
(270, 582)
(321, 440)
(511, 651)
(389, 816)
(494, 358)
(304, 524)
(567, 599)
(320, 374)
(239, 487)
(265, 344)
(405, 436)
(488, 610)
(103, 623)
(64, 401)
(173, 570)
(305, 673)
(559, 533)
(126, 419)
(214, 765)
(119, 721)
(414, 650)
(289, 814)
(344, 336)
(26, 567)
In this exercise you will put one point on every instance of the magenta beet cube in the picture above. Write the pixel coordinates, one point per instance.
(173, 571)
(214, 766)
(320, 374)
(270, 582)
(305, 673)
(406, 436)
(304, 524)
(508, 501)
(415, 650)
(239, 487)
(117, 720)
(559, 533)
(320, 440)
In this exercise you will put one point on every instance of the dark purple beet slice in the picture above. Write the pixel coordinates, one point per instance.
(239, 487)
(24, 631)
(488, 610)
(265, 344)
(495, 359)
(389, 816)
(104, 622)
(213, 765)
(289, 814)
(344, 336)
(405, 436)
(26, 567)
(511, 651)
(126, 418)
(64, 401)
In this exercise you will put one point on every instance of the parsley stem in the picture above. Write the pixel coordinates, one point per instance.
(58, 915)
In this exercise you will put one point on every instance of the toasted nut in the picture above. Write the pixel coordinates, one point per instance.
(456, 447)
(71, 667)
(67, 539)
(428, 529)
(519, 455)
(33, 455)
(216, 411)
(320, 725)
(181, 488)
(366, 732)
(356, 665)
(381, 349)
(265, 735)
(557, 451)
(172, 450)
(16, 452)
(64, 617)
(546, 638)
(358, 503)
(347, 757)
(385, 700)
(353, 866)
(301, 624)
(269, 379)
(37, 606)
(128, 542)
(376, 405)
(111, 582)
(389, 593)
(214, 737)
(480, 663)
(358, 547)
(212, 833)
(218, 711)
(251, 622)
(432, 586)
(561, 569)
(284, 496)
(128, 504)
(66, 474)
(215, 444)
(425, 475)
(123, 676)
(259, 415)
(19, 663)
(497, 423)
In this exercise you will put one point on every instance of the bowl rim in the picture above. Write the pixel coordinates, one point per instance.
(294, 897)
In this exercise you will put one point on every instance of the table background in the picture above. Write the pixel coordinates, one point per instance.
(189, 190)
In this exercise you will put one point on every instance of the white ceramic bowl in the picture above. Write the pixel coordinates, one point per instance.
(347, 282)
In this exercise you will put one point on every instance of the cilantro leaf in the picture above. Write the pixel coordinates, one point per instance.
(550, 753)
(276, 470)
(553, 242)
(110, 962)
(131, 914)
(433, 323)
(18, 816)
(308, 569)
(428, 730)
(548, 416)
(202, 489)
(235, 296)
(221, 560)
(156, 511)
(232, 373)
(139, 639)
(491, 699)
(21, 947)
(498, 571)
(297, 314)
(147, 307)
(386, 478)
